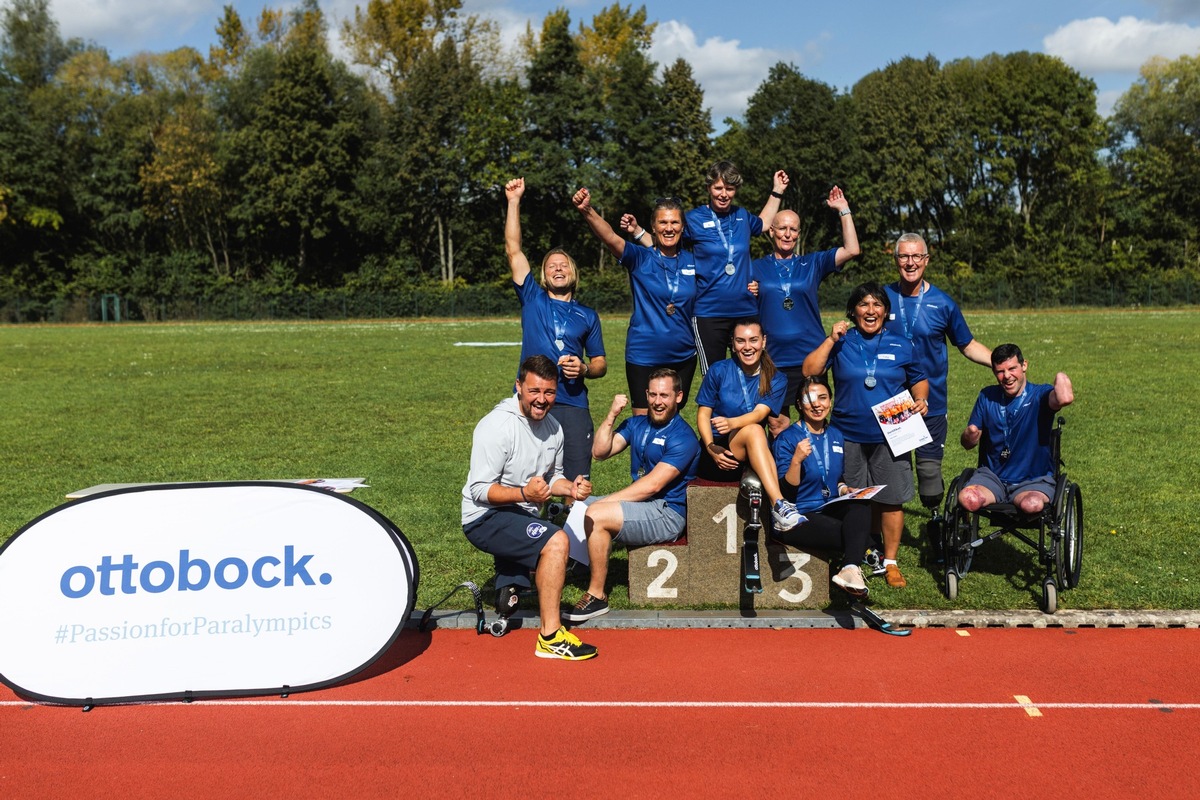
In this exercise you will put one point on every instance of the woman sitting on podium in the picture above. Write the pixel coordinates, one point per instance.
(809, 460)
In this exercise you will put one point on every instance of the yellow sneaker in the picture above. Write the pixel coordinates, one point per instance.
(565, 645)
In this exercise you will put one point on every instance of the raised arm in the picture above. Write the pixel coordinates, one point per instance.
(815, 362)
(771, 207)
(604, 232)
(977, 352)
(1063, 394)
(636, 232)
(849, 249)
(604, 443)
(517, 262)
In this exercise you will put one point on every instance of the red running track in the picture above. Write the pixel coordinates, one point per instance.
(690, 713)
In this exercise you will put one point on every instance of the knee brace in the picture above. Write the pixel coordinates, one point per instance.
(929, 482)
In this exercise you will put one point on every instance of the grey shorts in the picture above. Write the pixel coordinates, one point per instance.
(647, 522)
(1005, 492)
(874, 464)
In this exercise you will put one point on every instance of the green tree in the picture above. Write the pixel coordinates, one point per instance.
(688, 134)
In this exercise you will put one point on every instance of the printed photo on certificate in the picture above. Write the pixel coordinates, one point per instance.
(903, 428)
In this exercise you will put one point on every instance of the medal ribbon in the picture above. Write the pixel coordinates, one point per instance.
(908, 330)
(821, 462)
(874, 364)
(721, 232)
(786, 287)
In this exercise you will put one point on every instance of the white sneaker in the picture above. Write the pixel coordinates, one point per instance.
(851, 579)
(785, 515)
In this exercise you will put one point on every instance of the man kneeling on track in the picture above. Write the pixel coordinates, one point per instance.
(664, 454)
(516, 466)
(1012, 422)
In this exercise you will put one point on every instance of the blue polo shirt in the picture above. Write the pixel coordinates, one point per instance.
(712, 236)
(896, 369)
(675, 443)
(656, 337)
(729, 392)
(822, 468)
(1021, 424)
(929, 320)
(542, 322)
(792, 334)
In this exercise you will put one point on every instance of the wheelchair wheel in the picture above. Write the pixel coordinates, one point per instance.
(1072, 531)
(1049, 596)
(951, 585)
(961, 528)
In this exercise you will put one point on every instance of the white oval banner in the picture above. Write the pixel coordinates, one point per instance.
(191, 590)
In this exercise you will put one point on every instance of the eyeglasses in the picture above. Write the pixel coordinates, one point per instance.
(916, 258)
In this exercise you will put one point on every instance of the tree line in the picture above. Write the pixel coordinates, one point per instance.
(270, 165)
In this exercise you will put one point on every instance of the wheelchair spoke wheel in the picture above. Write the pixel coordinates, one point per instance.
(1072, 530)
(961, 529)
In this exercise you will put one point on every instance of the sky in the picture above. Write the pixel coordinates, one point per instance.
(732, 45)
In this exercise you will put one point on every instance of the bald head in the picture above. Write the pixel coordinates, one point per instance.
(785, 232)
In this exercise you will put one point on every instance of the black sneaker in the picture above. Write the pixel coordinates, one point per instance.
(585, 609)
(565, 645)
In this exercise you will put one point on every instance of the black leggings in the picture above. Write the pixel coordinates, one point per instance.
(844, 527)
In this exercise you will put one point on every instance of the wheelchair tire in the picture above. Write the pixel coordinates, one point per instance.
(1049, 596)
(951, 585)
(1072, 529)
(961, 529)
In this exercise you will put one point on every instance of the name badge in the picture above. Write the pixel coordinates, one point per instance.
(837, 448)
(887, 356)
(891, 316)
(660, 441)
(709, 224)
(687, 272)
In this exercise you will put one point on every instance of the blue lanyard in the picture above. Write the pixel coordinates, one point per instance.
(749, 399)
(874, 364)
(1015, 405)
(786, 287)
(821, 462)
(560, 323)
(908, 331)
(667, 273)
(721, 231)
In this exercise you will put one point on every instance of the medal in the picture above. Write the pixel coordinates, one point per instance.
(559, 344)
(730, 269)
(825, 492)
(869, 381)
(671, 308)
(1004, 454)
(641, 472)
(788, 304)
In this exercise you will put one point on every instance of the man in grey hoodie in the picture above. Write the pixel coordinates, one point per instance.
(516, 466)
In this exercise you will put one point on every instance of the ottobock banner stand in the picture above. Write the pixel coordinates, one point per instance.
(180, 591)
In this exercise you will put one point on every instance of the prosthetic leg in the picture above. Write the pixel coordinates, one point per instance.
(508, 600)
(931, 489)
(752, 489)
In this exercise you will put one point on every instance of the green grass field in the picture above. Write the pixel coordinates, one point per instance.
(396, 403)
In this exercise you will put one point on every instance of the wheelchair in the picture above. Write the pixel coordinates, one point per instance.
(1059, 526)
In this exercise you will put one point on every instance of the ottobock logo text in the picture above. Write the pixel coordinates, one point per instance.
(188, 574)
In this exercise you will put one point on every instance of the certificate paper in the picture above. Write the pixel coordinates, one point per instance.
(903, 428)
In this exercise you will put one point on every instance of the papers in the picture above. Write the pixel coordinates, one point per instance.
(577, 539)
(866, 493)
(339, 485)
(903, 428)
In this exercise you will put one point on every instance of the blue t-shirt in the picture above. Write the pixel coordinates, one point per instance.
(729, 392)
(674, 443)
(792, 334)
(929, 320)
(895, 369)
(1021, 425)
(713, 237)
(545, 322)
(821, 469)
(656, 337)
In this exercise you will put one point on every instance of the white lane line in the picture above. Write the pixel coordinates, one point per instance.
(1022, 703)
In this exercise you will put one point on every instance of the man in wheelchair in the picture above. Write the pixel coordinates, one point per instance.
(1011, 422)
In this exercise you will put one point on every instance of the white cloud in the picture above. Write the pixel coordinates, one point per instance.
(124, 26)
(728, 72)
(1100, 45)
